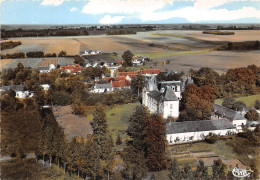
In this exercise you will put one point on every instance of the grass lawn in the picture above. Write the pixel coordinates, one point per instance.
(157, 55)
(118, 119)
(248, 100)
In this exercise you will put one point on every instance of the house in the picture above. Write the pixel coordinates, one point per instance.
(102, 88)
(120, 84)
(20, 91)
(138, 61)
(91, 52)
(71, 68)
(165, 103)
(147, 73)
(236, 118)
(44, 69)
(45, 87)
(175, 85)
(192, 131)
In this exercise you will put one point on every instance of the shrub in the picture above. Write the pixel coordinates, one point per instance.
(211, 138)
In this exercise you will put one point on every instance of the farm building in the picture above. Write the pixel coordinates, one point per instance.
(236, 118)
(101, 88)
(71, 68)
(20, 91)
(90, 52)
(44, 69)
(192, 131)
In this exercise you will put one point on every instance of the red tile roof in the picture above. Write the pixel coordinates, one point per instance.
(133, 74)
(151, 71)
(122, 83)
(119, 78)
(127, 73)
(73, 68)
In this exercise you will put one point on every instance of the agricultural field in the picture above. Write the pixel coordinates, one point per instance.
(248, 100)
(27, 62)
(46, 62)
(187, 49)
(4, 62)
(220, 61)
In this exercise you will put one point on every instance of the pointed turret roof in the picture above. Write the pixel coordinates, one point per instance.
(169, 95)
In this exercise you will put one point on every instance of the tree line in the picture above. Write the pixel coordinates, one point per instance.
(35, 54)
(198, 99)
(9, 44)
(120, 32)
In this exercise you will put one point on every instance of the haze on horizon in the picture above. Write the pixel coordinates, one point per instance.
(129, 11)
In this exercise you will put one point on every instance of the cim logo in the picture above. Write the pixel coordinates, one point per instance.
(241, 173)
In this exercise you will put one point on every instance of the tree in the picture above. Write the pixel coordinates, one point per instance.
(252, 115)
(137, 84)
(187, 172)
(127, 57)
(175, 172)
(62, 54)
(155, 142)
(79, 60)
(218, 169)
(100, 129)
(229, 102)
(118, 140)
(202, 172)
(197, 102)
(137, 128)
(257, 104)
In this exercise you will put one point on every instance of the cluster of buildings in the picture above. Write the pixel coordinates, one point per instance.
(164, 97)
(90, 52)
(121, 81)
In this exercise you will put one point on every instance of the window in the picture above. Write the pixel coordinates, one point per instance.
(171, 106)
(170, 113)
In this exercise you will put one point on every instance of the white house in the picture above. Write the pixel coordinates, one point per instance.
(236, 118)
(44, 69)
(45, 87)
(165, 103)
(20, 91)
(91, 52)
(102, 88)
(192, 131)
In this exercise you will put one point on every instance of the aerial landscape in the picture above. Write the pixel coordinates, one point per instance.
(128, 89)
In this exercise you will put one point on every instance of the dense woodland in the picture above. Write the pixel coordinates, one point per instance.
(9, 44)
(120, 32)
(45, 32)
(240, 46)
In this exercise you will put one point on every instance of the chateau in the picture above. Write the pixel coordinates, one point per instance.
(164, 101)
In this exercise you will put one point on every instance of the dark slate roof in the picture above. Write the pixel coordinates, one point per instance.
(13, 87)
(43, 68)
(169, 95)
(155, 95)
(189, 81)
(228, 113)
(195, 126)
(103, 86)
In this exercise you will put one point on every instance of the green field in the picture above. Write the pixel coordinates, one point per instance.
(118, 119)
(248, 100)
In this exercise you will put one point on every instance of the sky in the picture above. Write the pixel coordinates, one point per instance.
(129, 11)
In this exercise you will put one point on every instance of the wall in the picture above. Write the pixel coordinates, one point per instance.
(171, 108)
(197, 136)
